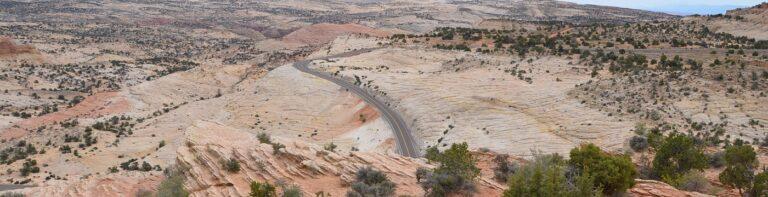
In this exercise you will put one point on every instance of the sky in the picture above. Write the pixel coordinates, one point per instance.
(680, 7)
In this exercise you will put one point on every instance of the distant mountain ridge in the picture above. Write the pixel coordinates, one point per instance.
(693, 10)
(276, 18)
(551, 10)
(751, 22)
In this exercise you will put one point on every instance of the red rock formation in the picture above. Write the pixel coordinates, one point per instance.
(325, 32)
(9, 48)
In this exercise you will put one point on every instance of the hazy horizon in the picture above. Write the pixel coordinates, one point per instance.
(680, 7)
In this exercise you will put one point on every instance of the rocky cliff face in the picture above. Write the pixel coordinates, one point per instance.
(122, 184)
(307, 166)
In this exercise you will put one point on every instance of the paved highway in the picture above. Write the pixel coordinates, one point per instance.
(5, 187)
(406, 145)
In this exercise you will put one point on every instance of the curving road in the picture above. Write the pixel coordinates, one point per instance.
(406, 145)
(6, 187)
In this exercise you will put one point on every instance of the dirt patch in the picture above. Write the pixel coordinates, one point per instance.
(387, 144)
(325, 32)
(94, 106)
(9, 48)
(363, 115)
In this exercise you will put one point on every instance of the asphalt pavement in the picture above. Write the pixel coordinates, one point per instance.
(406, 145)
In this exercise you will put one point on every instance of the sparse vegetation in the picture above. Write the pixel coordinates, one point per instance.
(330, 147)
(676, 156)
(276, 148)
(717, 160)
(76, 90)
(613, 174)
(694, 181)
(173, 185)
(546, 175)
(455, 174)
(231, 165)
(638, 143)
(503, 168)
(589, 172)
(740, 161)
(760, 185)
(262, 190)
(264, 138)
(370, 182)
(29, 167)
(292, 191)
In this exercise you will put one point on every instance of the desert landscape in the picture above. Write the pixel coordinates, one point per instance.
(380, 98)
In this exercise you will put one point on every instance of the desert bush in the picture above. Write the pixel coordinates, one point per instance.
(613, 173)
(503, 168)
(589, 172)
(547, 175)
(146, 167)
(454, 175)
(655, 138)
(442, 184)
(292, 191)
(264, 138)
(638, 143)
(740, 155)
(144, 193)
(646, 172)
(231, 165)
(421, 173)
(432, 154)
(330, 147)
(29, 167)
(640, 129)
(457, 160)
(694, 181)
(677, 155)
(760, 185)
(262, 190)
(173, 185)
(276, 147)
(716, 160)
(370, 182)
(740, 161)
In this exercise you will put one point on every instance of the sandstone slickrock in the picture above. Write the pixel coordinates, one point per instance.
(306, 165)
(453, 97)
(650, 188)
(122, 185)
